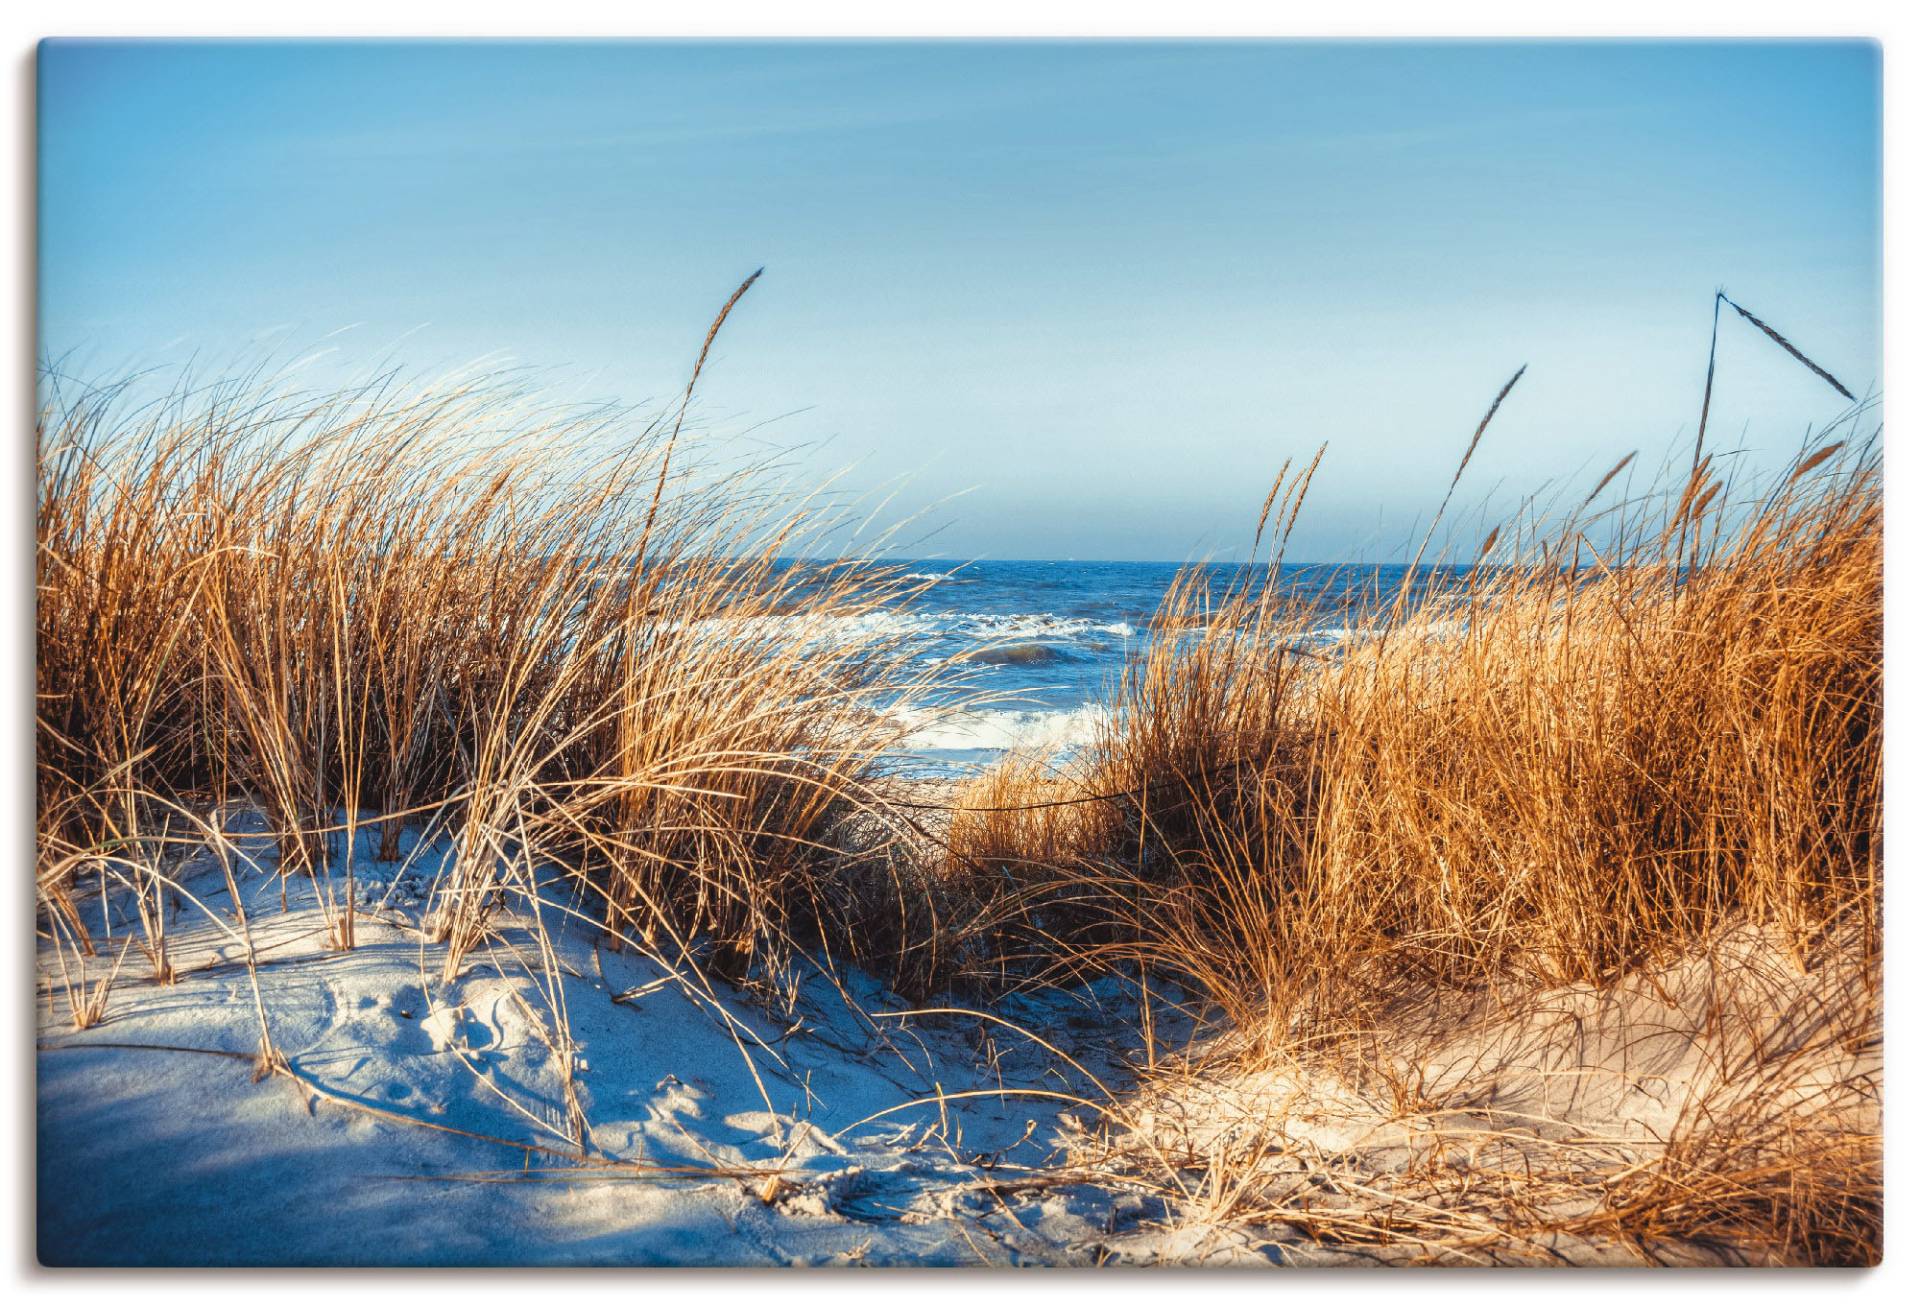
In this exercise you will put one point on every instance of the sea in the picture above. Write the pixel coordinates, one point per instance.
(1050, 640)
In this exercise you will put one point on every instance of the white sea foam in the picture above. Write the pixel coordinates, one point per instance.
(1048, 732)
(979, 625)
(1031, 624)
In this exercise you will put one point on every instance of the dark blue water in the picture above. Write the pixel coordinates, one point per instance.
(1060, 633)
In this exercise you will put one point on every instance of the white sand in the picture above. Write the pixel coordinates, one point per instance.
(164, 1156)
(1570, 1089)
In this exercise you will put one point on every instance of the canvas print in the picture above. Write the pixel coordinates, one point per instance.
(1066, 653)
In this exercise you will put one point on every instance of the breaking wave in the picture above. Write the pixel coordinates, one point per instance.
(982, 733)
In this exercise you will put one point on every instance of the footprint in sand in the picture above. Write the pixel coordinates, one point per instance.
(672, 1096)
(446, 1027)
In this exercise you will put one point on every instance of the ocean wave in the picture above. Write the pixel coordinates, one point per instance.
(1030, 625)
(1021, 654)
(981, 731)
(983, 626)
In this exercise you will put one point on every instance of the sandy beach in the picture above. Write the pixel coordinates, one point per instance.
(1246, 654)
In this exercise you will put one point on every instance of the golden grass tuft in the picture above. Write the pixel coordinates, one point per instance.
(1650, 723)
(528, 628)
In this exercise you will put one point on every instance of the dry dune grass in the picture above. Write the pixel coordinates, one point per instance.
(1562, 768)
(1656, 722)
(1624, 773)
(450, 608)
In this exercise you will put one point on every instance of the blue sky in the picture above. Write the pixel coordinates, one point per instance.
(1105, 288)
